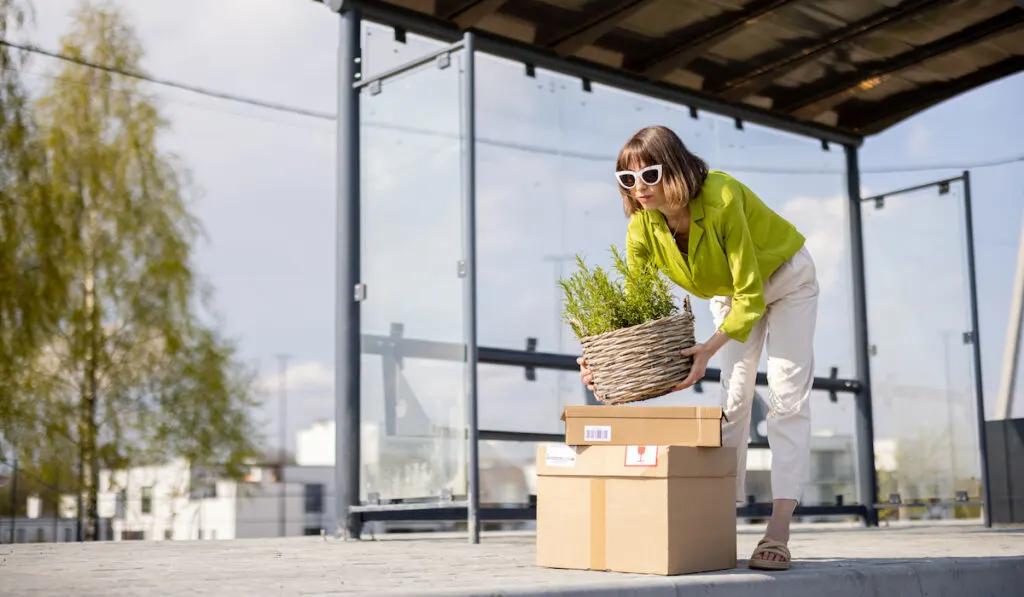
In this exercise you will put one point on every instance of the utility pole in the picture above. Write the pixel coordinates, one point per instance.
(283, 447)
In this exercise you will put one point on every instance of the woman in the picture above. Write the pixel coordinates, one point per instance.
(714, 237)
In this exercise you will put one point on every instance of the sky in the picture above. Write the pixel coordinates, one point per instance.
(546, 193)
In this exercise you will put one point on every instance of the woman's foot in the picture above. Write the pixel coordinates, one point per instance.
(772, 552)
(769, 555)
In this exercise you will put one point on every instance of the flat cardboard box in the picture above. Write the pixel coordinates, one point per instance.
(622, 425)
(639, 509)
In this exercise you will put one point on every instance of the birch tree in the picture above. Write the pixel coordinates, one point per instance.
(133, 372)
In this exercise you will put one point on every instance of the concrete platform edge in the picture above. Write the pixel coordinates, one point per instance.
(937, 577)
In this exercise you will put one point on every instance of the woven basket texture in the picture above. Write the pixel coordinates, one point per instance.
(642, 361)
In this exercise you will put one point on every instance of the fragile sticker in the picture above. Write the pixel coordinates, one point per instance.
(560, 455)
(641, 455)
(597, 433)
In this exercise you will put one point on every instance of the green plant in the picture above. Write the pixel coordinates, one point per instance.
(595, 303)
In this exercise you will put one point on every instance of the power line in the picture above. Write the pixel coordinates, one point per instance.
(499, 143)
(168, 83)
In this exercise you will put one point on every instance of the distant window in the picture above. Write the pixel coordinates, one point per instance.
(40, 536)
(68, 535)
(314, 498)
(147, 500)
(20, 536)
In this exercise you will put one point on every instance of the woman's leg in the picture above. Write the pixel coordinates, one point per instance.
(739, 376)
(791, 321)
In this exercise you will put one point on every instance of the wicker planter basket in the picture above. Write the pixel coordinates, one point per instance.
(642, 361)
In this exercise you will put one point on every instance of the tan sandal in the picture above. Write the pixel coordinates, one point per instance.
(769, 546)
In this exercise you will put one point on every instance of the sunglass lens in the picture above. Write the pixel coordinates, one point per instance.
(627, 180)
(650, 176)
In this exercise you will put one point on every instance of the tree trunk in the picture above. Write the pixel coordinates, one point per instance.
(89, 404)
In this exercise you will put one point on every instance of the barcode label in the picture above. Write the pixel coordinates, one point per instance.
(594, 433)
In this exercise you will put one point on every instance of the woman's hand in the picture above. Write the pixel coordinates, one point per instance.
(587, 375)
(701, 354)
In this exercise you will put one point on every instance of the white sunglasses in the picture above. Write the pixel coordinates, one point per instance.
(651, 175)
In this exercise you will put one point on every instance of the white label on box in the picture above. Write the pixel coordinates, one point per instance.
(597, 433)
(641, 455)
(560, 455)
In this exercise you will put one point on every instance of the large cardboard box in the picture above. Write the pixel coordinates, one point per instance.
(643, 425)
(640, 509)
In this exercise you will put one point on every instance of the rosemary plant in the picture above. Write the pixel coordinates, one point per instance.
(596, 304)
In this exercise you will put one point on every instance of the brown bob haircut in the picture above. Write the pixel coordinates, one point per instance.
(683, 173)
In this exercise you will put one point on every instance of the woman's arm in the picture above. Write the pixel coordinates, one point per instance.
(748, 304)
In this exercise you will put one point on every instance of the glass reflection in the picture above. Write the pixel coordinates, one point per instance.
(921, 366)
(413, 385)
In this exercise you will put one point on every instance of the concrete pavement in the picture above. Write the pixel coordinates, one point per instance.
(831, 561)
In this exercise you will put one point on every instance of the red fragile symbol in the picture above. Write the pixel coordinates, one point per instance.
(640, 451)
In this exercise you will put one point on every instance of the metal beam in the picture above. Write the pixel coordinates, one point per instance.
(454, 351)
(882, 114)
(867, 477)
(471, 13)
(690, 43)
(905, 190)
(979, 386)
(442, 512)
(408, 66)
(423, 24)
(756, 79)
(347, 314)
(469, 254)
(521, 436)
(808, 103)
(573, 41)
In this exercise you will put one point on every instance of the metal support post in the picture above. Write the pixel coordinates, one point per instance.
(867, 479)
(283, 448)
(469, 223)
(979, 389)
(347, 322)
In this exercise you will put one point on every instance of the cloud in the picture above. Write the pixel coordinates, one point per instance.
(920, 142)
(309, 377)
(824, 223)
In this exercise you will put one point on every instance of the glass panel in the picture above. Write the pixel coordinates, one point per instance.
(546, 153)
(413, 385)
(922, 369)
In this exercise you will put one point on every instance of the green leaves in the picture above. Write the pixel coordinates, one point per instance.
(103, 343)
(595, 303)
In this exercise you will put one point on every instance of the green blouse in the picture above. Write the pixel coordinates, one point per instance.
(736, 243)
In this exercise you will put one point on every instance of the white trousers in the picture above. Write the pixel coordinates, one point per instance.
(791, 297)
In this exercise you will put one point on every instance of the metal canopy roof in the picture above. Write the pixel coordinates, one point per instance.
(836, 69)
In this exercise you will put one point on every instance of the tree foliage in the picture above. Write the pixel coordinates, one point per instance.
(32, 283)
(129, 370)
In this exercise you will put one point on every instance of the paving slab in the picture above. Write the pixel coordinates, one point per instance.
(831, 561)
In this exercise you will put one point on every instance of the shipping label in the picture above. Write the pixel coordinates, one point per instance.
(560, 455)
(641, 456)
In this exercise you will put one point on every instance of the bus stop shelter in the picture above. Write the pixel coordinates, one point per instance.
(832, 72)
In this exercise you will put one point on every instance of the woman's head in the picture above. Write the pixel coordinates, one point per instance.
(654, 170)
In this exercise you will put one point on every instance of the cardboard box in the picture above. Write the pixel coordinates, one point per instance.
(640, 509)
(621, 425)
